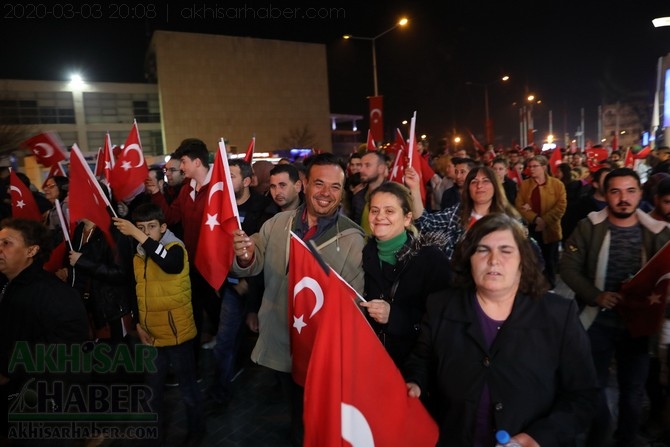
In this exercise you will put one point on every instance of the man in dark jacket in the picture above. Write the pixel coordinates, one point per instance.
(35, 309)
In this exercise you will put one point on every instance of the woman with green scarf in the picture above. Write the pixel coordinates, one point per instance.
(401, 269)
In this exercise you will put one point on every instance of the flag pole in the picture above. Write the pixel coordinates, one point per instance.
(63, 224)
(229, 182)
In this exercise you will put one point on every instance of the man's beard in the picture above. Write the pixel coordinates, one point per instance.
(619, 215)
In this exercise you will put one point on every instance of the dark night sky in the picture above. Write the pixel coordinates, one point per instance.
(571, 54)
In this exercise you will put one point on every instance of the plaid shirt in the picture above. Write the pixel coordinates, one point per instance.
(448, 221)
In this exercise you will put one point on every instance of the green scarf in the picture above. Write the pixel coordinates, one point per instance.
(386, 250)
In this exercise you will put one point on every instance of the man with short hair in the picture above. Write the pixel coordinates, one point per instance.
(661, 209)
(374, 170)
(235, 292)
(339, 241)
(188, 209)
(355, 162)
(286, 187)
(662, 160)
(452, 196)
(175, 178)
(607, 248)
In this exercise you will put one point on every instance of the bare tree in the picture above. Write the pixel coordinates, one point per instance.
(299, 138)
(11, 136)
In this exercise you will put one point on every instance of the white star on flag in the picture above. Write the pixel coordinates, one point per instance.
(212, 221)
(654, 298)
(20, 203)
(126, 165)
(108, 165)
(299, 323)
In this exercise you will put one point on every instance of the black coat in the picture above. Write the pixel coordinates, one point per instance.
(539, 369)
(37, 307)
(422, 268)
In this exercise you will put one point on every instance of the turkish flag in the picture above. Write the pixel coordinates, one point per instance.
(479, 146)
(249, 156)
(555, 160)
(47, 147)
(105, 161)
(644, 152)
(397, 172)
(377, 117)
(354, 393)
(645, 295)
(307, 283)
(371, 145)
(594, 155)
(214, 252)
(23, 201)
(130, 170)
(86, 199)
(419, 163)
(629, 161)
(56, 260)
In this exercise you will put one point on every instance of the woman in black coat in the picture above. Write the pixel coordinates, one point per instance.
(401, 270)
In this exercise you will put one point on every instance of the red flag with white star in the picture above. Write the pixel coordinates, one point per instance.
(371, 145)
(346, 404)
(86, 198)
(307, 284)
(47, 148)
(645, 295)
(214, 253)
(24, 205)
(130, 170)
(105, 161)
(249, 156)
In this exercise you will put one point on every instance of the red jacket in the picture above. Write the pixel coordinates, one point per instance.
(186, 209)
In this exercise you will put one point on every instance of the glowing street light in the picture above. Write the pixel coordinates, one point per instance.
(76, 81)
(661, 21)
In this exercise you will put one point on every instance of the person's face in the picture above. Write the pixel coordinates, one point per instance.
(239, 183)
(173, 173)
(51, 190)
(513, 159)
(152, 228)
(576, 160)
(623, 195)
(496, 263)
(460, 172)
(500, 170)
(284, 192)
(481, 189)
(536, 169)
(386, 216)
(188, 166)
(528, 154)
(371, 168)
(663, 155)
(323, 192)
(15, 255)
(662, 205)
(355, 165)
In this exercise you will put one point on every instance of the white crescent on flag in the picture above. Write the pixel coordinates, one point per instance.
(313, 285)
(373, 113)
(135, 147)
(218, 186)
(14, 188)
(355, 428)
(48, 150)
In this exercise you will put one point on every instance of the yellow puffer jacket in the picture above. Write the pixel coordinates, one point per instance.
(164, 300)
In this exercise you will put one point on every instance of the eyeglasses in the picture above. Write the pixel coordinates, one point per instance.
(534, 166)
(50, 186)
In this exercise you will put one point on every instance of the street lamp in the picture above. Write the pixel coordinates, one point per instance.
(488, 125)
(401, 22)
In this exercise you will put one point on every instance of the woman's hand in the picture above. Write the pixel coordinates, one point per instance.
(413, 390)
(379, 310)
(74, 257)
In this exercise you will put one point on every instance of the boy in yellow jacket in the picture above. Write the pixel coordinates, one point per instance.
(165, 312)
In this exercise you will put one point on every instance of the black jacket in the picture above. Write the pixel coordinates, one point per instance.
(37, 307)
(422, 268)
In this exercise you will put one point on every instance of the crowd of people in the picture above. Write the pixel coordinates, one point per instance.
(457, 268)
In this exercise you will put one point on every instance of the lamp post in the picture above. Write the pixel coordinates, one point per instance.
(376, 101)
(488, 125)
(401, 22)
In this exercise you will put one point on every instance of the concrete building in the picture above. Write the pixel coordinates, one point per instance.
(214, 87)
